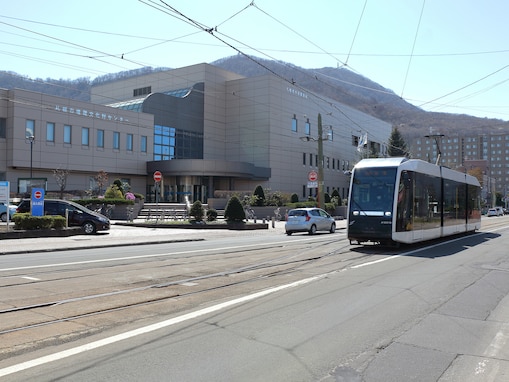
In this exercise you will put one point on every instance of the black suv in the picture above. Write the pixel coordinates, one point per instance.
(90, 221)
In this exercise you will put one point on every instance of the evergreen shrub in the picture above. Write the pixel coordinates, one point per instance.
(197, 211)
(211, 214)
(234, 212)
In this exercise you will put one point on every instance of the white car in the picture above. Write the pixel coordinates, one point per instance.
(309, 220)
(492, 212)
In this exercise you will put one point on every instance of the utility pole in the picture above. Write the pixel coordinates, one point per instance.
(319, 139)
(321, 195)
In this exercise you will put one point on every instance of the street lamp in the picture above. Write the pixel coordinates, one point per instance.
(320, 139)
(31, 140)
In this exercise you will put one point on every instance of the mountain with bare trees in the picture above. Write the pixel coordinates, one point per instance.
(340, 84)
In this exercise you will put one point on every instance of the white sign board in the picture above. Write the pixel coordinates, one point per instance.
(4, 197)
(4, 192)
(312, 184)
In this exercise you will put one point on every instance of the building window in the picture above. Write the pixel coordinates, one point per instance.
(304, 158)
(85, 136)
(142, 91)
(100, 138)
(307, 128)
(29, 128)
(143, 144)
(3, 127)
(129, 142)
(67, 134)
(294, 124)
(164, 143)
(50, 132)
(116, 140)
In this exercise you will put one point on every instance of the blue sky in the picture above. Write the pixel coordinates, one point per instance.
(446, 56)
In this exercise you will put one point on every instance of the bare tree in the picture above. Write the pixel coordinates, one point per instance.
(101, 180)
(61, 179)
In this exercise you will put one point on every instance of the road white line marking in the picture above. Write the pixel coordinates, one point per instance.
(30, 278)
(147, 329)
(374, 262)
(498, 342)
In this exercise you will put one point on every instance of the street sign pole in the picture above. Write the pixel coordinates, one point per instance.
(158, 177)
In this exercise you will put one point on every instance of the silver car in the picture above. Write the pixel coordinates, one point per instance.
(309, 220)
(3, 211)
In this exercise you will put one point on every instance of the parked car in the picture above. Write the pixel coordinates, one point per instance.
(309, 220)
(80, 216)
(3, 211)
(500, 211)
(492, 212)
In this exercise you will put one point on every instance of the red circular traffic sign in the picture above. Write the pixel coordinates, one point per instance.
(312, 176)
(37, 194)
(158, 176)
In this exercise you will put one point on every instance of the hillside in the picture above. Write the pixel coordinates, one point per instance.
(339, 84)
(363, 94)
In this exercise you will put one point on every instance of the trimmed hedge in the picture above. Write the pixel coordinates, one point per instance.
(97, 201)
(310, 204)
(25, 221)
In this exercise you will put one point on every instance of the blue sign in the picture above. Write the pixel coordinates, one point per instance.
(37, 202)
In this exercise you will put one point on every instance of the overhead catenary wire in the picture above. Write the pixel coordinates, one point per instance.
(356, 31)
(350, 54)
(413, 48)
(210, 31)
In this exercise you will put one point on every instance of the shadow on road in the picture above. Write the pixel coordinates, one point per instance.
(432, 248)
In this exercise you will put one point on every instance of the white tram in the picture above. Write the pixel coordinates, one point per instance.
(399, 200)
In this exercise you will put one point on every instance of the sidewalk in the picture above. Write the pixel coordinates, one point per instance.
(122, 235)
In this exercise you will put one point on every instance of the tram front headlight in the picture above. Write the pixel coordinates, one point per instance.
(388, 213)
(355, 213)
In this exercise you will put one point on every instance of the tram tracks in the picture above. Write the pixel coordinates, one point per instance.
(95, 311)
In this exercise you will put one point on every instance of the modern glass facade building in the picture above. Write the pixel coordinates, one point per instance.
(205, 129)
(218, 131)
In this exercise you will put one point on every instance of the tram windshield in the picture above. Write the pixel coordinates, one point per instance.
(372, 191)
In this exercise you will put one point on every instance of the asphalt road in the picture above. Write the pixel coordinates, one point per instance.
(433, 313)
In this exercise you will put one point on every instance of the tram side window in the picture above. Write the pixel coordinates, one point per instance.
(474, 202)
(427, 202)
(418, 202)
(404, 208)
(455, 202)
